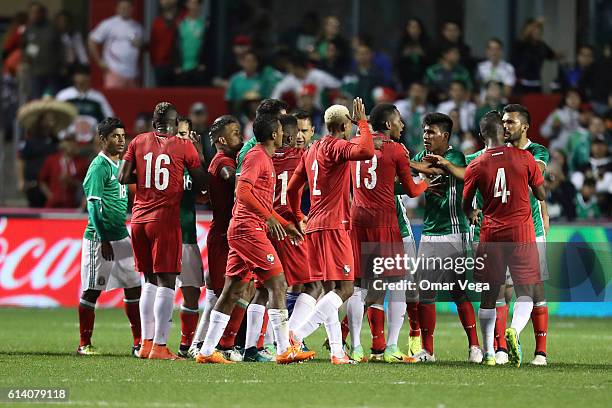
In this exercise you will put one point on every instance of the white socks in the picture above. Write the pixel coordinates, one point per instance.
(218, 322)
(147, 317)
(396, 310)
(164, 300)
(209, 302)
(279, 320)
(354, 313)
(522, 313)
(255, 318)
(487, 327)
(304, 305)
(325, 309)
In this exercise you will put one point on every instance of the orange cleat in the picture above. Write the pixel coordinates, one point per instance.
(162, 353)
(215, 358)
(294, 355)
(145, 348)
(342, 360)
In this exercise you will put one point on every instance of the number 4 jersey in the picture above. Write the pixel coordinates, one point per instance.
(160, 162)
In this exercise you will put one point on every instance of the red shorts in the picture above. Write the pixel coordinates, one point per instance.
(369, 240)
(252, 255)
(294, 259)
(157, 248)
(520, 258)
(331, 255)
(218, 250)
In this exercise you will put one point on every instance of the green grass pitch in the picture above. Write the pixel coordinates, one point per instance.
(37, 350)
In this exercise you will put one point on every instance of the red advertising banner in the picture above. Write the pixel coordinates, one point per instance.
(40, 262)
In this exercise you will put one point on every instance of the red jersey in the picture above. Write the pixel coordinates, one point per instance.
(257, 170)
(503, 175)
(54, 173)
(374, 184)
(160, 162)
(285, 162)
(221, 194)
(326, 165)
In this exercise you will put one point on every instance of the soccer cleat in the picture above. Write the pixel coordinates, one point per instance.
(271, 348)
(215, 358)
(475, 355)
(488, 359)
(87, 350)
(357, 354)
(515, 353)
(159, 352)
(252, 355)
(145, 348)
(539, 360)
(501, 357)
(183, 351)
(194, 349)
(136, 351)
(423, 356)
(394, 355)
(414, 345)
(294, 355)
(377, 355)
(233, 354)
(342, 360)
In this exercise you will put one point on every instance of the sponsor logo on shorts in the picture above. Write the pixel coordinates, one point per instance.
(101, 280)
(270, 258)
(347, 269)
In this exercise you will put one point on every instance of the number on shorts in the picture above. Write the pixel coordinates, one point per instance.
(369, 183)
(500, 186)
(161, 177)
(315, 168)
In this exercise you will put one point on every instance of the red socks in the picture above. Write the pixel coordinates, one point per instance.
(500, 327)
(412, 308)
(345, 329)
(427, 321)
(227, 341)
(87, 316)
(189, 323)
(539, 318)
(262, 334)
(376, 317)
(468, 320)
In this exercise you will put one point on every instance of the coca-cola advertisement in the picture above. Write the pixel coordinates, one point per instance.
(40, 262)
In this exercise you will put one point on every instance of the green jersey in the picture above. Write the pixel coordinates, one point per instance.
(587, 210)
(402, 220)
(188, 215)
(477, 197)
(540, 154)
(444, 215)
(101, 183)
(245, 149)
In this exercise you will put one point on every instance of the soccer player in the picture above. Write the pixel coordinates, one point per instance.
(305, 129)
(326, 167)
(251, 252)
(516, 120)
(191, 278)
(445, 235)
(156, 162)
(106, 258)
(504, 175)
(374, 221)
(227, 139)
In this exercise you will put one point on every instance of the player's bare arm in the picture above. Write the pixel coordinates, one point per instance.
(365, 149)
(228, 173)
(427, 168)
(439, 161)
(127, 174)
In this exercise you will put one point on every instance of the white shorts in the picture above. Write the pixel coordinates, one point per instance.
(437, 249)
(544, 275)
(192, 272)
(99, 274)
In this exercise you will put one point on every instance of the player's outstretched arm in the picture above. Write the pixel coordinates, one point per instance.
(126, 172)
(365, 149)
(456, 171)
(405, 176)
(199, 177)
(427, 168)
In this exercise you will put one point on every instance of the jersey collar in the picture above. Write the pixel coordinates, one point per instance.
(109, 159)
(526, 144)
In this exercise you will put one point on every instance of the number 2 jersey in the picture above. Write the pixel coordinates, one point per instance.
(160, 162)
(503, 175)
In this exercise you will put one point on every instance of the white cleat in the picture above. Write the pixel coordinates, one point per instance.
(539, 360)
(475, 355)
(423, 356)
(233, 354)
(194, 349)
(501, 358)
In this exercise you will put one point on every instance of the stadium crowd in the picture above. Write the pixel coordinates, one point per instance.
(311, 67)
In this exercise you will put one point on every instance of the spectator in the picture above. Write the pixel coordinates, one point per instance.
(122, 39)
(240, 46)
(599, 168)
(563, 121)
(412, 110)
(11, 60)
(413, 53)
(304, 37)
(198, 114)
(13, 37)
(379, 59)
(601, 96)
(91, 105)
(561, 200)
(528, 55)
(306, 104)
(142, 124)
(451, 36)
(330, 31)
(579, 142)
(469, 143)
(162, 40)
(580, 74)
(62, 175)
(586, 201)
(189, 64)
(74, 49)
(456, 135)
(439, 76)
(332, 63)
(460, 100)
(300, 73)
(250, 102)
(495, 68)
(38, 144)
(42, 51)
(365, 76)
(492, 101)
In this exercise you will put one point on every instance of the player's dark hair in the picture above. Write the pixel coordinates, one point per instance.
(161, 112)
(271, 106)
(186, 120)
(287, 120)
(301, 114)
(442, 121)
(491, 125)
(218, 127)
(263, 127)
(522, 111)
(379, 116)
(107, 126)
